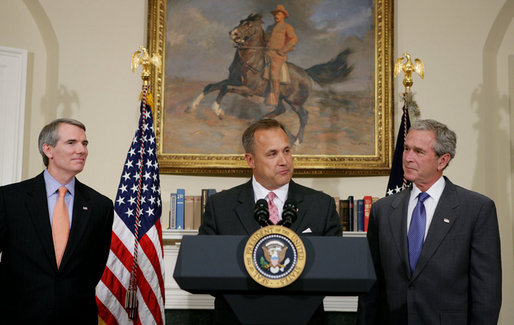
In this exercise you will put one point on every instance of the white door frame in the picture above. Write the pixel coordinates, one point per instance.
(13, 83)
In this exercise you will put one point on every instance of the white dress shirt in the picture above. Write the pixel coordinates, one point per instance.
(260, 192)
(435, 192)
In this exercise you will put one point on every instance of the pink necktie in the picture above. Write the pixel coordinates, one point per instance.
(60, 226)
(273, 210)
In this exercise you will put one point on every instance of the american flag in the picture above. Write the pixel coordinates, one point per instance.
(132, 287)
(396, 180)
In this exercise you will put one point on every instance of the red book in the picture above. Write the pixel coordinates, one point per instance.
(368, 201)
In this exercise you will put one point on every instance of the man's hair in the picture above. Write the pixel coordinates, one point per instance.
(445, 139)
(49, 134)
(265, 124)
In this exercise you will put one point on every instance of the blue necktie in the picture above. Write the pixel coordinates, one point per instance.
(417, 230)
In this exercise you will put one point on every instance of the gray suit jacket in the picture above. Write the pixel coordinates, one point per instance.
(32, 289)
(231, 212)
(457, 279)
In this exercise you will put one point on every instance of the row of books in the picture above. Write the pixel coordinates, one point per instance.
(354, 213)
(186, 210)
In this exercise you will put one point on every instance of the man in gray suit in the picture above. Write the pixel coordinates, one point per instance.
(55, 234)
(450, 273)
(231, 212)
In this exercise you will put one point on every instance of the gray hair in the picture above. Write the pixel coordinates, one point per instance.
(264, 124)
(49, 134)
(445, 139)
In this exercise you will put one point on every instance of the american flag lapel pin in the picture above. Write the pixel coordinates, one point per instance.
(84, 208)
(446, 220)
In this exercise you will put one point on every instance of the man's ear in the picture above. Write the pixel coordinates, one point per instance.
(48, 150)
(249, 160)
(443, 161)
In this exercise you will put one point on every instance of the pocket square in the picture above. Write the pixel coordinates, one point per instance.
(306, 231)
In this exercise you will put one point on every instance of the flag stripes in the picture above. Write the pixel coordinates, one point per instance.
(136, 246)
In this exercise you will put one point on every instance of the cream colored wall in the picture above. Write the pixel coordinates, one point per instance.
(79, 59)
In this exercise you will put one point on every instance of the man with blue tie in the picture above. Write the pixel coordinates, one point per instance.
(435, 246)
(55, 235)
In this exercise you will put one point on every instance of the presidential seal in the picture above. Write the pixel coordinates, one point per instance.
(274, 256)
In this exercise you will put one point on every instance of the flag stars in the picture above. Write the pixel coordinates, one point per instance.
(132, 152)
(150, 151)
(149, 164)
(123, 188)
(145, 188)
(147, 176)
(128, 164)
(134, 188)
(149, 212)
(132, 200)
(129, 212)
(126, 176)
(120, 201)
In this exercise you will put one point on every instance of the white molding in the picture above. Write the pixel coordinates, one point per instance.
(13, 83)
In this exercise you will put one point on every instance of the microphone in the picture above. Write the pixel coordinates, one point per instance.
(261, 213)
(289, 214)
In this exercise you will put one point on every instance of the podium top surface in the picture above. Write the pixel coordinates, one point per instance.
(334, 266)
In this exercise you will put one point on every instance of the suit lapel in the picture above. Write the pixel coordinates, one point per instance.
(398, 227)
(442, 221)
(38, 213)
(294, 194)
(81, 212)
(244, 208)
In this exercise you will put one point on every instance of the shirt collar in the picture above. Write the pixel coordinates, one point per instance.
(52, 185)
(435, 191)
(260, 191)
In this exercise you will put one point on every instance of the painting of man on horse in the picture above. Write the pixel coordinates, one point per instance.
(256, 87)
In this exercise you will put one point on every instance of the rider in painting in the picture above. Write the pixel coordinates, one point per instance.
(280, 39)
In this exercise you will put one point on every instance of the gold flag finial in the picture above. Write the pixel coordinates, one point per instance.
(407, 67)
(142, 57)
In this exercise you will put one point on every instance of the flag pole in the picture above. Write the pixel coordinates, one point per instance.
(140, 58)
(397, 181)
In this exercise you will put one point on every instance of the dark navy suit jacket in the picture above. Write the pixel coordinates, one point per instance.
(32, 289)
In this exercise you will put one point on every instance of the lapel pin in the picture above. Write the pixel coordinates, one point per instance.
(446, 220)
(84, 208)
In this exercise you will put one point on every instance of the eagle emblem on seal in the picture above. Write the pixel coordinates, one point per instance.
(274, 254)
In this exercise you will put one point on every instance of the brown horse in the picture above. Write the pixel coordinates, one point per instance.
(246, 75)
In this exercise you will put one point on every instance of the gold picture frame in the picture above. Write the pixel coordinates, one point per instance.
(378, 139)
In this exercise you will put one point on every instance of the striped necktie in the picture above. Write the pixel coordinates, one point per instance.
(273, 210)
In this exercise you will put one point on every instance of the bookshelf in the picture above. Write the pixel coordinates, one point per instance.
(179, 299)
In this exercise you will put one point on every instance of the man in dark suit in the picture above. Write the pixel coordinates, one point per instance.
(231, 212)
(55, 235)
(451, 272)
